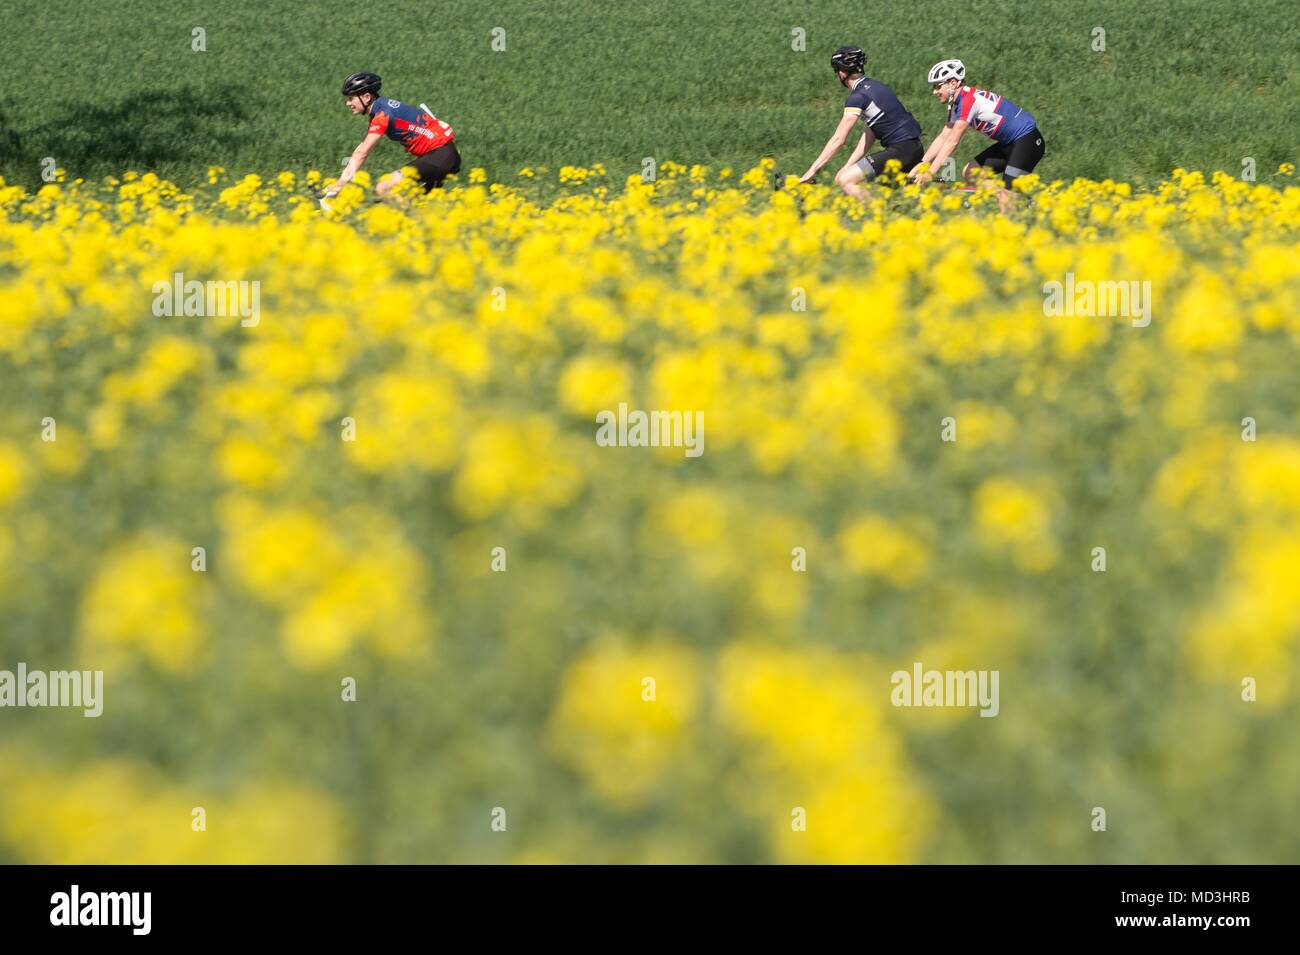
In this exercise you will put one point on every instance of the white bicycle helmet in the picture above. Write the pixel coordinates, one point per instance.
(947, 70)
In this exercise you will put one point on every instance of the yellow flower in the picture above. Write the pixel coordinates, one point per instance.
(376, 594)
(13, 473)
(148, 598)
(700, 525)
(457, 270)
(244, 461)
(1206, 316)
(590, 384)
(404, 420)
(820, 743)
(980, 424)
(280, 554)
(168, 359)
(354, 580)
(872, 544)
(524, 466)
(1198, 479)
(120, 812)
(1268, 477)
(1252, 626)
(624, 716)
(1011, 516)
(64, 456)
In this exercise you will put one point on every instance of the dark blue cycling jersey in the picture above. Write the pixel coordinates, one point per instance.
(881, 112)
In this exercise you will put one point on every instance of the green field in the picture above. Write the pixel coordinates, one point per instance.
(103, 88)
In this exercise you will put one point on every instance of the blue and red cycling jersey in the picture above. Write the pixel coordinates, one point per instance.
(993, 115)
(417, 130)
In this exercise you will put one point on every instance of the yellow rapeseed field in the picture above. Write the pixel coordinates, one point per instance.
(563, 651)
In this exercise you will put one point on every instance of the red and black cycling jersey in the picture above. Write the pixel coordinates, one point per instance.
(414, 127)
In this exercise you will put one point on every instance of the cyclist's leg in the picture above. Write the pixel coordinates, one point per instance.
(994, 159)
(1024, 155)
(909, 154)
(455, 156)
(851, 177)
(436, 165)
(385, 186)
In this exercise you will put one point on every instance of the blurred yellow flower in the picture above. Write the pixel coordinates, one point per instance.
(244, 461)
(874, 545)
(590, 384)
(820, 738)
(1252, 627)
(146, 598)
(13, 473)
(118, 812)
(65, 455)
(404, 421)
(1012, 516)
(624, 714)
(524, 466)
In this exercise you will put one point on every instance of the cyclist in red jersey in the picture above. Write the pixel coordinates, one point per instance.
(429, 140)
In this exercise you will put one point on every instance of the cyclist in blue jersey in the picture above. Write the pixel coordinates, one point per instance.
(428, 140)
(1017, 142)
(883, 118)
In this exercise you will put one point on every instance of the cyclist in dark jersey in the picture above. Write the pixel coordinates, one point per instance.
(883, 117)
(428, 139)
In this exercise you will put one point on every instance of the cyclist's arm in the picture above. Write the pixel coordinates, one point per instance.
(944, 145)
(935, 144)
(951, 137)
(355, 163)
(865, 142)
(833, 145)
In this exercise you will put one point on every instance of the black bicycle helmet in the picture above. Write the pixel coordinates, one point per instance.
(359, 83)
(849, 59)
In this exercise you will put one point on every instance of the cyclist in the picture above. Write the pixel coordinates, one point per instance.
(1017, 142)
(883, 117)
(428, 139)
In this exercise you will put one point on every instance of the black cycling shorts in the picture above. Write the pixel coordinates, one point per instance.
(908, 152)
(436, 165)
(1016, 159)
